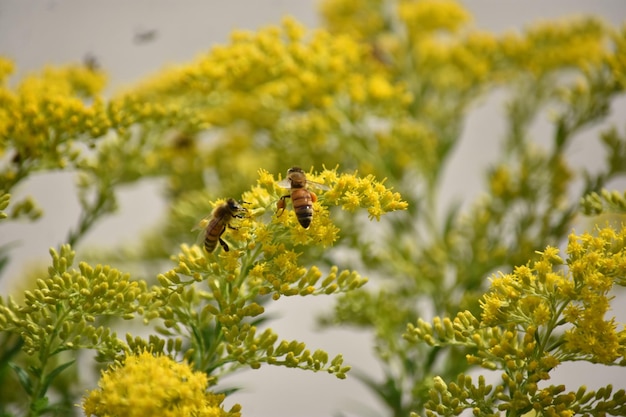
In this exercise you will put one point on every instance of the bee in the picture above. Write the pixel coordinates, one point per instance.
(301, 197)
(217, 222)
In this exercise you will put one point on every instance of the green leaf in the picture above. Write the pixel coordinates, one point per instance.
(23, 377)
(11, 345)
(53, 374)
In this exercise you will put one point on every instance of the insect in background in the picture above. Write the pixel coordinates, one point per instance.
(217, 222)
(301, 197)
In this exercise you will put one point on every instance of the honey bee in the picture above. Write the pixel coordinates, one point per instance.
(217, 222)
(301, 197)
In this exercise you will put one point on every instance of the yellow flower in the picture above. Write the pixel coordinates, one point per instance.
(549, 46)
(426, 16)
(6, 68)
(359, 18)
(380, 88)
(492, 306)
(147, 385)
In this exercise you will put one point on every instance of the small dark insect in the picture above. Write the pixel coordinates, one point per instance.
(91, 62)
(145, 36)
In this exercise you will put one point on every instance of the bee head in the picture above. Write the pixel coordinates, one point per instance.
(234, 206)
(296, 176)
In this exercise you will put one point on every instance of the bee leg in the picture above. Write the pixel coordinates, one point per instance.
(280, 206)
(224, 244)
(313, 196)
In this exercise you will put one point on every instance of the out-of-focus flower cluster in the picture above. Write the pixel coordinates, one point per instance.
(43, 119)
(147, 385)
(533, 319)
(284, 91)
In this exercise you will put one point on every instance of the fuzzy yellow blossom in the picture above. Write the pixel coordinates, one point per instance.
(549, 46)
(500, 182)
(6, 69)
(147, 385)
(617, 61)
(257, 76)
(359, 18)
(424, 16)
(380, 88)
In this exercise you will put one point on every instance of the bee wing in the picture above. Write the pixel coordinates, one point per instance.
(318, 185)
(200, 238)
(200, 228)
(284, 183)
(202, 224)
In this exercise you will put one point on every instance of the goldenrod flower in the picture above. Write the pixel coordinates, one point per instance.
(147, 385)
(426, 16)
(523, 328)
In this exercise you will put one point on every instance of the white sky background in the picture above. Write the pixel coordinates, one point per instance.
(35, 33)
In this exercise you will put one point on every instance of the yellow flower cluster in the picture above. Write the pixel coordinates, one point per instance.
(351, 192)
(147, 385)
(521, 328)
(346, 190)
(537, 295)
(279, 239)
(260, 75)
(440, 47)
(425, 17)
(42, 117)
(358, 18)
(596, 263)
(549, 46)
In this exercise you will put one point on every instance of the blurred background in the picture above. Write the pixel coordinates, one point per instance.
(130, 40)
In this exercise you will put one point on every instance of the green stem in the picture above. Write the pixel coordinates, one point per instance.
(40, 388)
(89, 216)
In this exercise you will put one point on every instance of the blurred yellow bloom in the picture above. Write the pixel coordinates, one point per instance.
(6, 69)
(424, 16)
(147, 385)
(359, 18)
